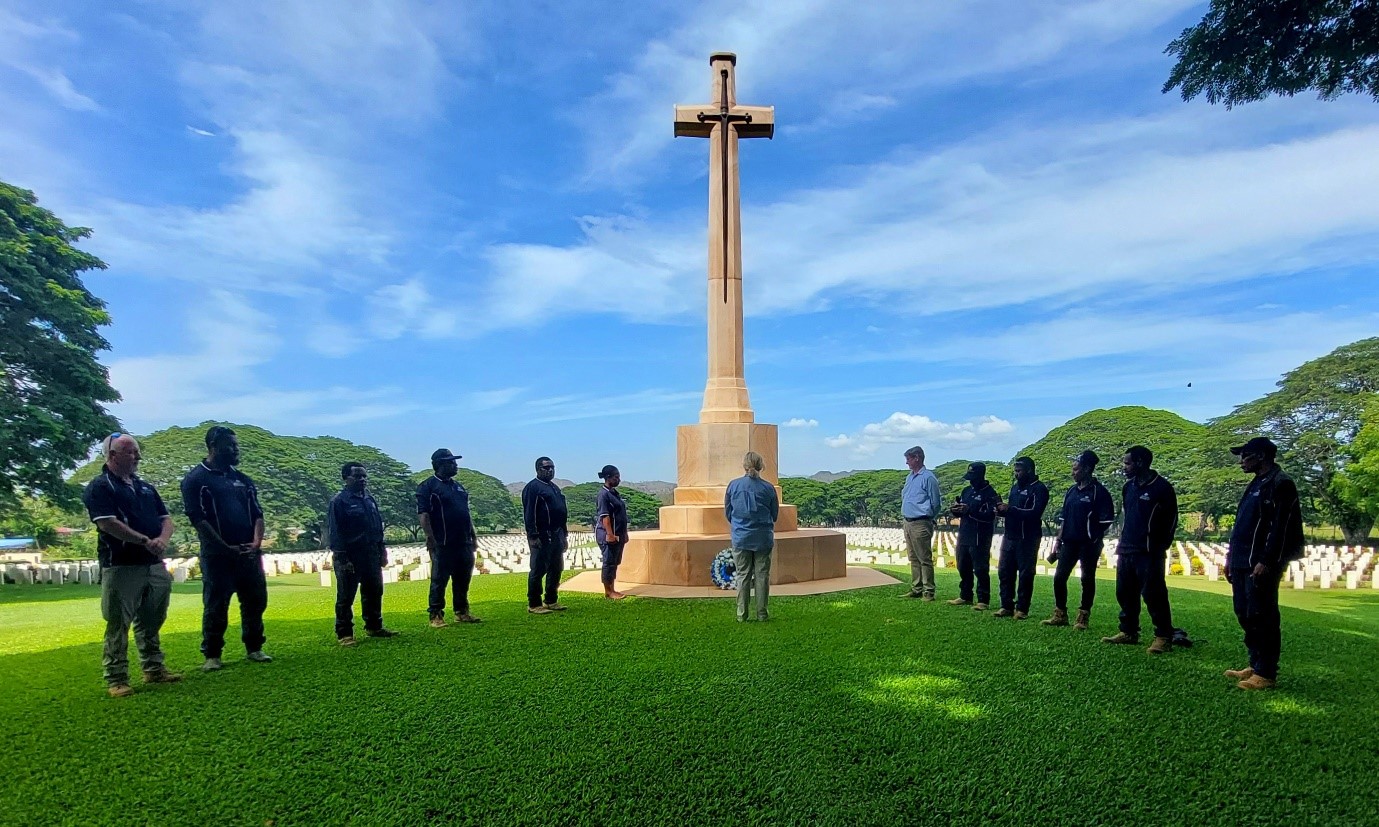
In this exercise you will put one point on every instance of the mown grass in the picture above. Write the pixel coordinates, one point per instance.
(854, 708)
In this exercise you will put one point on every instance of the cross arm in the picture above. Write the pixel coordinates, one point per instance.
(750, 121)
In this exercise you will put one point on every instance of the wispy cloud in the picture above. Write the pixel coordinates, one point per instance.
(902, 427)
(28, 47)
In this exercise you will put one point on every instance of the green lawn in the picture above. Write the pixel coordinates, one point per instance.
(855, 708)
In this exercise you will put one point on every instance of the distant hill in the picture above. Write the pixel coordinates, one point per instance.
(515, 488)
(831, 476)
(661, 490)
(296, 476)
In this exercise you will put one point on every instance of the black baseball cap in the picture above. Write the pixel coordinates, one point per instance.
(441, 454)
(1258, 445)
(1088, 458)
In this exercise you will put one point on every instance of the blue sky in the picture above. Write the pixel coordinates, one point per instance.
(468, 225)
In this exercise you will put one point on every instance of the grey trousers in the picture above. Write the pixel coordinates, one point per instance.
(919, 541)
(136, 595)
(753, 572)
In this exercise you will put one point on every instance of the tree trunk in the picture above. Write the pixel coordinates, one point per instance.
(1356, 531)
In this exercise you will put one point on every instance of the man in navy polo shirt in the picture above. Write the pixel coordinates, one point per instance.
(1087, 512)
(544, 515)
(1149, 508)
(223, 506)
(1024, 515)
(355, 528)
(976, 513)
(1267, 536)
(443, 506)
(134, 529)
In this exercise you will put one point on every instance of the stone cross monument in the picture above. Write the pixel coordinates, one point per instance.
(709, 453)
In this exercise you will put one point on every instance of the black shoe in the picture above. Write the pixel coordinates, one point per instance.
(382, 633)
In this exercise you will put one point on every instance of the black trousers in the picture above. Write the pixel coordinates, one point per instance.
(364, 575)
(974, 559)
(224, 576)
(1256, 607)
(456, 567)
(1018, 557)
(547, 562)
(1141, 575)
(1086, 553)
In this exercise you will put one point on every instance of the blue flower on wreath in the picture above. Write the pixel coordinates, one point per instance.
(723, 570)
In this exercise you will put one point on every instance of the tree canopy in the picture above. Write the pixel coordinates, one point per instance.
(1357, 485)
(1313, 416)
(52, 389)
(1246, 50)
(490, 504)
(296, 476)
(643, 510)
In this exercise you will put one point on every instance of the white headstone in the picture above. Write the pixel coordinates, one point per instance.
(325, 577)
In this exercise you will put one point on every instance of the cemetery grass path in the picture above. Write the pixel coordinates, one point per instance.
(854, 708)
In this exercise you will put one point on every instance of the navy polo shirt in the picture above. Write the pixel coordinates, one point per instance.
(447, 502)
(1087, 513)
(354, 524)
(543, 508)
(227, 500)
(134, 503)
(610, 504)
(1151, 516)
(1024, 517)
(977, 525)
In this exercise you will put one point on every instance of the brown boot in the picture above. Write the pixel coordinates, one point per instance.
(1161, 645)
(1121, 638)
(1060, 618)
(1082, 617)
(1019, 615)
(1240, 674)
(161, 676)
(1256, 682)
(1002, 612)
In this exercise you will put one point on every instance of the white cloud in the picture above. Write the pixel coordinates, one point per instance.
(907, 428)
(202, 132)
(797, 422)
(28, 47)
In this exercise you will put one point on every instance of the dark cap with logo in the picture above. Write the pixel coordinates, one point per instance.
(1087, 458)
(975, 471)
(442, 454)
(1263, 446)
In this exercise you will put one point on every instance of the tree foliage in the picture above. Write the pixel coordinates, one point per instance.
(643, 510)
(490, 504)
(1357, 484)
(52, 389)
(296, 476)
(1313, 416)
(1246, 50)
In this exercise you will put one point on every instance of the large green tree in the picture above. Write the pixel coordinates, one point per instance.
(1246, 50)
(1357, 485)
(490, 504)
(296, 476)
(1314, 416)
(643, 510)
(52, 389)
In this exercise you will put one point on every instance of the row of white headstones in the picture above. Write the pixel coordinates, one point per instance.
(1326, 566)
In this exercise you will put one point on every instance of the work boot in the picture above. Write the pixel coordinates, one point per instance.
(1059, 618)
(958, 601)
(1121, 637)
(1161, 645)
(1082, 617)
(258, 656)
(120, 690)
(978, 607)
(1019, 615)
(1002, 612)
(211, 665)
(161, 676)
(437, 623)
(538, 610)
(1256, 682)
(1240, 674)
(555, 607)
(347, 641)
